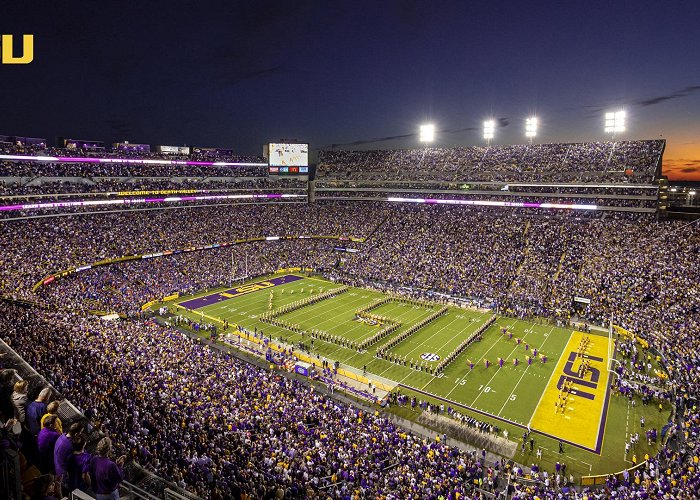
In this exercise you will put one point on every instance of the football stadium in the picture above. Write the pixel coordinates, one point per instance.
(290, 258)
(425, 329)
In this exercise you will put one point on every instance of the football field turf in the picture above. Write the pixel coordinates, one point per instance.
(538, 360)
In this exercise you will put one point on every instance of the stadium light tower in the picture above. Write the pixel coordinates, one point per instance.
(531, 127)
(489, 130)
(615, 122)
(427, 133)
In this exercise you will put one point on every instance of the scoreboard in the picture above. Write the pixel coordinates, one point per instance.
(288, 159)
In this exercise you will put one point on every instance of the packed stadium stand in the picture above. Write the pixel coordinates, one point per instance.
(194, 420)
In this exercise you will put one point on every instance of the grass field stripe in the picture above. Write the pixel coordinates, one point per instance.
(441, 329)
(381, 342)
(498, 341)
(548, 383)
(410, 311)
(445, 348)
(336, 347)
(408, 343)
(345, 332)
(394, 317)
(498, 369)
(343, 307)
(521, 376)
(460, 333)
(421, 344)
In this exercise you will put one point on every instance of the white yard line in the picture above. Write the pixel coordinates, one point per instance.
(422, 343)
(358, 353)
(498, 340)
(549, 334)
(499, 369)
(426, 343)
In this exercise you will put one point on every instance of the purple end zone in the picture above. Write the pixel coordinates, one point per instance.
(208, 300)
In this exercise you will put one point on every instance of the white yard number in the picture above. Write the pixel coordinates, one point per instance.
(485, 389)
(513, 397)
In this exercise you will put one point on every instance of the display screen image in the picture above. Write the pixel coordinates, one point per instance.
(288, 155)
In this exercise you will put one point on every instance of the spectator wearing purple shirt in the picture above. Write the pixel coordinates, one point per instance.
(78, 465)
(37, 409)
(105, 474)
(63, 450)
(46, 442)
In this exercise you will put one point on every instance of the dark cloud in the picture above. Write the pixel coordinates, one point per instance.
(688, 170)
(667, 97)
(372, 141)
(596, 109)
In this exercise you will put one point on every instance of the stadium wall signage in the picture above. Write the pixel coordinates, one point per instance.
(8, 50)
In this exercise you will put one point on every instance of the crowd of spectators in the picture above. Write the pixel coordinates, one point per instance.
(623, 161)
(124, 288)
(32, 249)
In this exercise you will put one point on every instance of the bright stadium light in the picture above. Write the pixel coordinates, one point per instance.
(531, 127)
(615, 121)
(489, 130)
(427, 133)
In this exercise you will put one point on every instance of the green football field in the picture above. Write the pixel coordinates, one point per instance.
(508, 397)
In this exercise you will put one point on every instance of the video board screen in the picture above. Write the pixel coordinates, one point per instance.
(288, 155)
